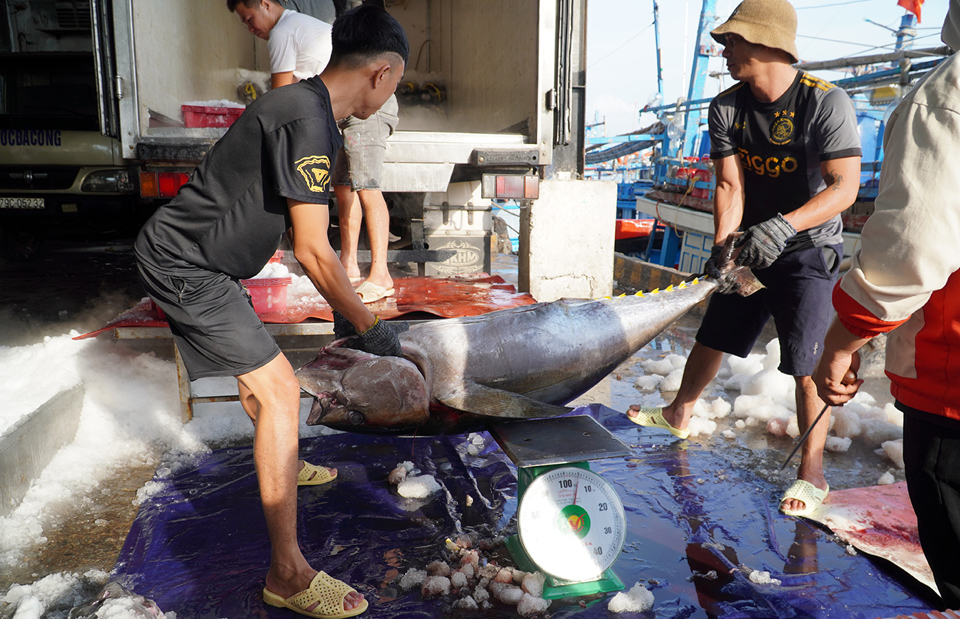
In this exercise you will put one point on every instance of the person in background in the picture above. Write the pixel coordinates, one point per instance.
(786, 150)
(269, 174)
(356, 179)
(299, 45)
(324, 10)
(356, 183)
(905, 281)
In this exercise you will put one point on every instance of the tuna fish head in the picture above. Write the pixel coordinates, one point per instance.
(354, 389)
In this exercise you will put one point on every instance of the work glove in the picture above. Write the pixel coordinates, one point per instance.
(381, 338)
(763, 243)
(712, 266)
(341, 326)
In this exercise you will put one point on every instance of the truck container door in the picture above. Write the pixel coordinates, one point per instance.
(103, 56)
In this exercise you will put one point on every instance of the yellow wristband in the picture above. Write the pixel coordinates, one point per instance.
(376, 319)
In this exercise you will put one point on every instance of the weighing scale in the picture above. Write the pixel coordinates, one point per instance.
(570, 522)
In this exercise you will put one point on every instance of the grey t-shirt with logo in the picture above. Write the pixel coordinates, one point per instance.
(781, 145)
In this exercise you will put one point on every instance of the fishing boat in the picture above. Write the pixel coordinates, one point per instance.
(676, 187)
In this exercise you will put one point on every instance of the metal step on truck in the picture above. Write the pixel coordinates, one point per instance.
(94, 130)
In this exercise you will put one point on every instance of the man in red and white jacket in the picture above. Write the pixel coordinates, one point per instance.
(905, 281)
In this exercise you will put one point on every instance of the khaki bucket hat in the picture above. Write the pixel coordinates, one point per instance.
(772, 23)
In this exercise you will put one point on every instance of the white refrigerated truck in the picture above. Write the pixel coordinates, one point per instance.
(92, 95)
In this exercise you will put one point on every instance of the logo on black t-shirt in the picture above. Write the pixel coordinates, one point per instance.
(781, 131)
(316, 170)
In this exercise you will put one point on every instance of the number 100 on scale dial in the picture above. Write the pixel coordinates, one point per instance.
(571, 523)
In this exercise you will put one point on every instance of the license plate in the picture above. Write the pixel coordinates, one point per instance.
(21, 203)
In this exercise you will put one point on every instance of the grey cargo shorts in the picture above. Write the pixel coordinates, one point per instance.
(360, 161)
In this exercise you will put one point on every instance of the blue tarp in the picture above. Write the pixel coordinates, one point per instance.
(199, 546)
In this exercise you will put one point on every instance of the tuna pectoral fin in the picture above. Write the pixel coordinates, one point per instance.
(481, 400)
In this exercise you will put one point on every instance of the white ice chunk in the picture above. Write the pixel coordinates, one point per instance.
(636, 600)
(530, 606)
(658, 366)
(435, 586)
(836, 444)
(533, 583)
(413, 578)
(877, 431)
(749, 365)
(772, 359)
(894, 415)
(846, 423)
(886, 479)
(648, 382)
(763, 578)
(419, 487)
(744, 403)
(894, 451)
(699, 425)
(672, 381)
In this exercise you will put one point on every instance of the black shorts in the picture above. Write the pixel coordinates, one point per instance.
(798, 293)
(212, 320)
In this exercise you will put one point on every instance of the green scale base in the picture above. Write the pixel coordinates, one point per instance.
(556, 588)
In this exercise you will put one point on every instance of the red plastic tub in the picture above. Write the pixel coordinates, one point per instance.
(206, 116)
(269, 294)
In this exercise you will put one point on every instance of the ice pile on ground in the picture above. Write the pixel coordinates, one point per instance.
(766, 400)
(469, 580)
(636, 600)
(63, 595)
(130, 418)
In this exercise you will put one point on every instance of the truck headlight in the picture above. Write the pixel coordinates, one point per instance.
(108, 181)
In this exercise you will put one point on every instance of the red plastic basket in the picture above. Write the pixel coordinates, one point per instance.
(269, 294)
(206, 116)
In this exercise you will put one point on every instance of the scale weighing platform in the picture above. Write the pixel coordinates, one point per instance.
(570, 522)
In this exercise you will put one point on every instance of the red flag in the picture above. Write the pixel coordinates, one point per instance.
(911, 5)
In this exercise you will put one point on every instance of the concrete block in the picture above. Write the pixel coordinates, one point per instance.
(566, 240)
(29, 445)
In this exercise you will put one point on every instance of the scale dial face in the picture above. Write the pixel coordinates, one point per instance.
(571, 523)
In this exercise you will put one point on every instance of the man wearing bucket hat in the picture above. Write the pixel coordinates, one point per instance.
(904, 281)
(786, 151)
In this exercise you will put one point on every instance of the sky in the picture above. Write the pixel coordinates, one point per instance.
(621, 48)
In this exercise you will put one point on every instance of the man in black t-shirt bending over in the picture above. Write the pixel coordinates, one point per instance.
(269, 173)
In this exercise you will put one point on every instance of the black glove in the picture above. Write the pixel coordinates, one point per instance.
(341, 326)
(712, 266)
(381, 338)
(763, 243)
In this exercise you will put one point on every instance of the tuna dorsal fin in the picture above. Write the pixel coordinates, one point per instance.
(472, 397)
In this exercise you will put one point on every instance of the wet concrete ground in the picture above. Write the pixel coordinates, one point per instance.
(83, 286)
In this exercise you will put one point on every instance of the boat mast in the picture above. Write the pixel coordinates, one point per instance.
(703, 49)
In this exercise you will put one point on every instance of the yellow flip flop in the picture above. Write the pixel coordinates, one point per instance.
(327, 592)
(653, 418)
(311, 475)
(370, 292)
(804, 491)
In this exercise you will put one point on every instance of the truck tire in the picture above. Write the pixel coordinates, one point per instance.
(20, 244)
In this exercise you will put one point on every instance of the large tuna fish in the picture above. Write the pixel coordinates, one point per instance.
(518, 363)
